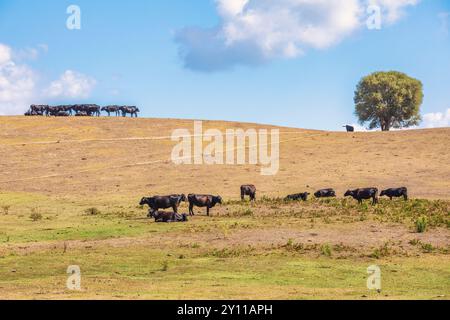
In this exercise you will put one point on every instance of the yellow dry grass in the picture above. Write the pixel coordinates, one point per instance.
(106, 156)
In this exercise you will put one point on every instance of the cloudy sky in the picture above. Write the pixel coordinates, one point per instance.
(284, 62)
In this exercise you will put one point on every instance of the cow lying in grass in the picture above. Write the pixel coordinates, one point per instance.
(298, 197)
(363, 194)
(168, 217)
(325, 193)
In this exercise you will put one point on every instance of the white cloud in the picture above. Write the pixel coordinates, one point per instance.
(17, 84)
(30, 53)
(436, 120)
(72, 85)
(5, 54)
(254, 31)
(393, 9)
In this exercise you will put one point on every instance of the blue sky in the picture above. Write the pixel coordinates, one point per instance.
(165, 57)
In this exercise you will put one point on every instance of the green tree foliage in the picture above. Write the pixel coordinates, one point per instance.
(389, 100)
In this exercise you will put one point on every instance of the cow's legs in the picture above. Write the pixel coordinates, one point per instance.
(207, 211)
(191, 209)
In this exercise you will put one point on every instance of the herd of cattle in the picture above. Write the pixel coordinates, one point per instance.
(157, 203)
(81, 110)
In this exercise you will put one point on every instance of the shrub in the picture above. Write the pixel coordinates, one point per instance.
(92, 211)
(421, 224)
(165, 266)
(326, 250)
(6, 209)
(427, 247)
(35, 215)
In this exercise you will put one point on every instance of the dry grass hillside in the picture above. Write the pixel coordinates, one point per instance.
(70, 188)
(130, 157)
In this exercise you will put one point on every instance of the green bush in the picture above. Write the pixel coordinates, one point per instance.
(326, 250)
(421, 224)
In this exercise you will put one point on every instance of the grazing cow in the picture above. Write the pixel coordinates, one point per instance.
(169, 217)
(78, 108)
(90, 109)
(133, 111)
(298, 197)
(38, 109)
(112, 109)
(202, 201)
(325, 193)
(163, 202)
(65, 108)
(31, 113)
(349, 128)
(93, 110)
(363, 194)
(395, 193)
(53, 111)
(248, 190)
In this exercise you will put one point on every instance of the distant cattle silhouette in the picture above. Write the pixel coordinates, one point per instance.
(349, 128)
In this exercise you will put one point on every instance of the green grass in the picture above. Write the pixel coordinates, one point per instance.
(205, 268)
(156, 274)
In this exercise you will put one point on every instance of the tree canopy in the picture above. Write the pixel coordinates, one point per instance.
(389, 100)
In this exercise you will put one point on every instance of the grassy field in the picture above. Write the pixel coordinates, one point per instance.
(69, 193)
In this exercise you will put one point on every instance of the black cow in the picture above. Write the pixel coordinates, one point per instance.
(31, 113)
(325, 193)
(133, 111)
(112, 109)
(395, 193)
(349, 128)
(66, 108)
(163, 202)
(93, 110)
(248, 190)
(78, 108)
(169, 217)
(38, 109)
(90, 109)
(363, 194)
(202, 201)
(298, 197)
(53, 110)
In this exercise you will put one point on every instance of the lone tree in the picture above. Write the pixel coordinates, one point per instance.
(389, 100)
